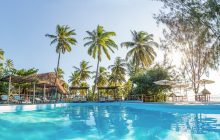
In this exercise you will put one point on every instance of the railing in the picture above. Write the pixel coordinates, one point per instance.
(147, 98)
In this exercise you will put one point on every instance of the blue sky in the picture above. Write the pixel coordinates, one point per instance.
(24, 25)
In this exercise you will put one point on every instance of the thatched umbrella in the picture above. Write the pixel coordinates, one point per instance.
(205, 92)
(205, 81)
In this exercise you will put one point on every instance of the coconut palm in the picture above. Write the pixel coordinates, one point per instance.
(60, 73)
(63, 39)
(102, 79)
(83, 92)
(74, 79)
(99, 42)
(142, 52)
(83, 71)
(9, 67)
(118, 70)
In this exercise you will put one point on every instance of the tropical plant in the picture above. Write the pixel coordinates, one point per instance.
(1, 54)
(74, 79)
(103, 76)
(9, 67)
(60, 73)
(83, 92)
(183, 15)
(118, 71)
(83, 71)
(99, 42)
(145, 82)
(63, 39)
(142, 52)
(26, 72)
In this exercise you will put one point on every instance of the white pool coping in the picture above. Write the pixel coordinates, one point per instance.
(33, 107)
(30, 107)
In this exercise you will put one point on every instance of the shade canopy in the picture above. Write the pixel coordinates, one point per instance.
(205, 81)
(20, 79)
(78, 88)
(205, 92)
(48, 80)
(107, 88)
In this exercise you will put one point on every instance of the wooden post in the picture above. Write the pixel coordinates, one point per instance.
(44, 92)
(19, 88)
(98, 94)
(34, 94)
(9, 88)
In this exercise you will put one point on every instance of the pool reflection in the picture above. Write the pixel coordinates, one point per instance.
(124, 122)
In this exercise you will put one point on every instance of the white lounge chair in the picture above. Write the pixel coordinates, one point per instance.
(4, 98)
(38, 100)
(102, 99)
(17, 99)
(45, 100)
(76, 99)
(110, 99)
(83, 99)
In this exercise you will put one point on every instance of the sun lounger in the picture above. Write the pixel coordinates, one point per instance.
(17, 99)
(110, 99)
(38, 100)
(4, 98)
(45, 100)
(83, 99)
(102, 99)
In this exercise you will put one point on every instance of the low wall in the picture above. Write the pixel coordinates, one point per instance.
(17, 108)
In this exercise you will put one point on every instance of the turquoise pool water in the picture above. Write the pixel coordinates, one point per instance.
(113, 121)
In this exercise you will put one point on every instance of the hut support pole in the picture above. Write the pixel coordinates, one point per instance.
(34, 94)
(44, 91)
(19, 88)
(9, 88)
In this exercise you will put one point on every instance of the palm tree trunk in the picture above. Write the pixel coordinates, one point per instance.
(96, 77)
(58, 65)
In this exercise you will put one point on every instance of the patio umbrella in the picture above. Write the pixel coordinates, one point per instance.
(164, 82)
(205, 81)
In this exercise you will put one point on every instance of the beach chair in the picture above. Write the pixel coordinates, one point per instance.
(110, 99)
(83, 99)
(102, 99)
(4, 98)
(45, 100)
(38, 100)
(76, 99)
(17, 99)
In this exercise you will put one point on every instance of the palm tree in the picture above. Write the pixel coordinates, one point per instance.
(1, 54)
(103, 76)
(99, 42)
(74, 79)
(83, 71)
(142, 49)
(9, 67)
(63, 39)
(60, 73)
(118, 70)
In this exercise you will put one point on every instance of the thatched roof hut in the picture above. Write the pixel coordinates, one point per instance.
(205, 92)
(49, 79)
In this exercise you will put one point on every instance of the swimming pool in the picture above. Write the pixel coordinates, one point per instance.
(111, 121)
